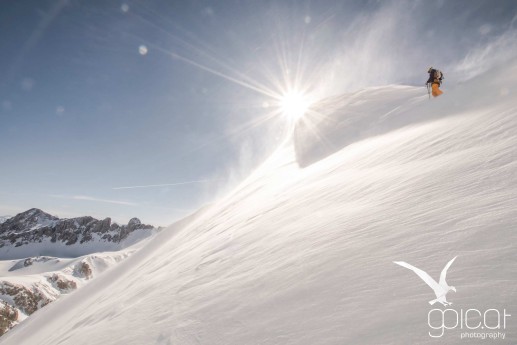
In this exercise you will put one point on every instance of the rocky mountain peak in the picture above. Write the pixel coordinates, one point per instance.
(134, 221)
(36, 226)
(29, 219)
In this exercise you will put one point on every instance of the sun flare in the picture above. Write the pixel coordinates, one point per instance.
(294, 105)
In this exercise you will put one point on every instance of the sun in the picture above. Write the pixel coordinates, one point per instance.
(294, 105)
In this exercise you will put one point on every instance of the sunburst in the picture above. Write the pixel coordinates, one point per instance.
(294, 105)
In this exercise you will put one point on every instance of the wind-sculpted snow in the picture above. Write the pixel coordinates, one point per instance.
(305, 256)
(343, 120)
(339, 121)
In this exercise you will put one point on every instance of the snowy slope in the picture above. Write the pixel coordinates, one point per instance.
(305, 256)
(30, 284)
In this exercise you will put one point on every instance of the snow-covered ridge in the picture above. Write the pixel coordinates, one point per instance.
(53, 257)
(36, 233)
(305, 256)
(30, 284)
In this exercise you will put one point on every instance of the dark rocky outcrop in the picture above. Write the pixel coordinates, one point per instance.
(24, 299)
(35, 226)
(30, 261)
(61, 283)
(8, 317)
(83, 270)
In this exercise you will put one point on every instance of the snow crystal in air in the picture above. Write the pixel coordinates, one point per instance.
(142, 50)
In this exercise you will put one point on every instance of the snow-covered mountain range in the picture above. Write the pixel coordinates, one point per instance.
(34, 233)
(43, 257)
(302, 251)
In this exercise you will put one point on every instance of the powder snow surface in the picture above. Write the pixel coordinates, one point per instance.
(305, 256)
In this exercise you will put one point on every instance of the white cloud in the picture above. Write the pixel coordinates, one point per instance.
(93, 199)
(485, 57)
(164, 184)
(376, 48)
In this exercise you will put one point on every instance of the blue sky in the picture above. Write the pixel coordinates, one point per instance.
(97, 95)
